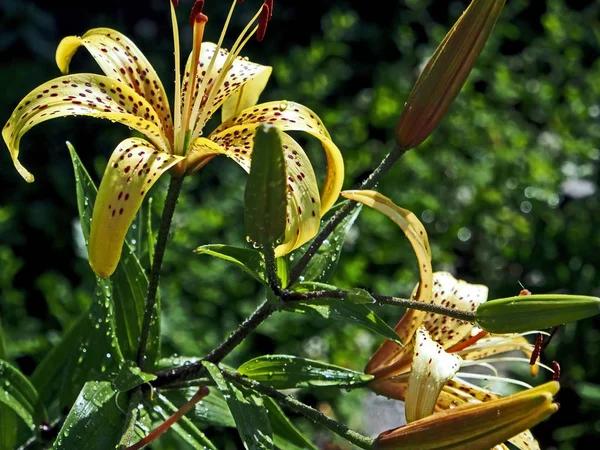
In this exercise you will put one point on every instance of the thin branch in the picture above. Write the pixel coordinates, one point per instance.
(383, 300)
(197, 370)
(159, 252)
(130, 419)
(310, 413)
(386, 164)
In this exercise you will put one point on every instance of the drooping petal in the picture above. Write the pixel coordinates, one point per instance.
(81, 95)
(288, 116)
(303, 201)
(121, 60)
(133, 168)
(431, 369)
(453, 294)
(239, 89)
(389, 352)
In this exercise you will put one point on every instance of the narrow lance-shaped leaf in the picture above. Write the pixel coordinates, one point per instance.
(247, 259)
(446, 72)
(17, 392)
(247, 409)
(347, 311)
(265, 199)
(184, 427)
(534, 312)
(285, 435)
(94, 421)
(322, 265)
(285, 372)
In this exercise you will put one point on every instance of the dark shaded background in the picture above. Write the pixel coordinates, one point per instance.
(506, 187)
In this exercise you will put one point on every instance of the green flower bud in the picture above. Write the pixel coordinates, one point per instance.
(534, 312)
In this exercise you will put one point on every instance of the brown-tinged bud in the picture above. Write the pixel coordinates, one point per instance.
(446, 72)
(476, 426)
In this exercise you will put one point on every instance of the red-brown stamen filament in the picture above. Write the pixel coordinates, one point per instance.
(467, 343)
(163, 427)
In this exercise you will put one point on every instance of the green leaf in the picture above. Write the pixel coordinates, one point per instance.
(130, 283)
(94, 421)
(18, 394)
(88, 351)
(212, 409)
(265, 198)
(331, 308)
(248, 411)
(184, 427)
(285, 372)
(8, 428)
(130, 376)
(247, 259)
(323, 264)
(358, 295)
(285, 435)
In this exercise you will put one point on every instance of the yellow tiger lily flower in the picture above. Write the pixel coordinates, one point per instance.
(131, 93)
(425, 372)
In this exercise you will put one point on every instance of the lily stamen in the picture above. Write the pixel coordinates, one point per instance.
(212, 90)
(479, 376)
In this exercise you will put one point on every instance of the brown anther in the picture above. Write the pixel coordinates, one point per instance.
(556, 368)
(175, 3)
(536, 349)
(270, 5)
(547, 341)
(262, 22)
(196, 10)
(525, 292)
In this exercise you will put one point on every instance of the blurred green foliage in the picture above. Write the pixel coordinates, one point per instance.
(506, 187)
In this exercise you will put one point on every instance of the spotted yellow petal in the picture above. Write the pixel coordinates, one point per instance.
(288, 116)
(238, 89)
(81, 95)
(303, 209)
(495, 344)
(133, 168)
(454, 294)
(121, 60)
(432, 367)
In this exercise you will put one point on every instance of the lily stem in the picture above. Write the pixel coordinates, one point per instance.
(196, 369)
(310, 413)
(384, 166)
(383, 300)
(159, 252)
(130, 419)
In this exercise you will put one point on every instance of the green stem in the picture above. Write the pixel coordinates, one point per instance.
(383, 300)
(130, 419)
(159, 252)
(196, 370)
(271, 267)
(310, 413)
(384, 166)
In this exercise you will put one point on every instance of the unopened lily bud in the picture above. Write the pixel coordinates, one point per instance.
(475, 426)
(265, 198)
(534, 312)
(446, 72)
